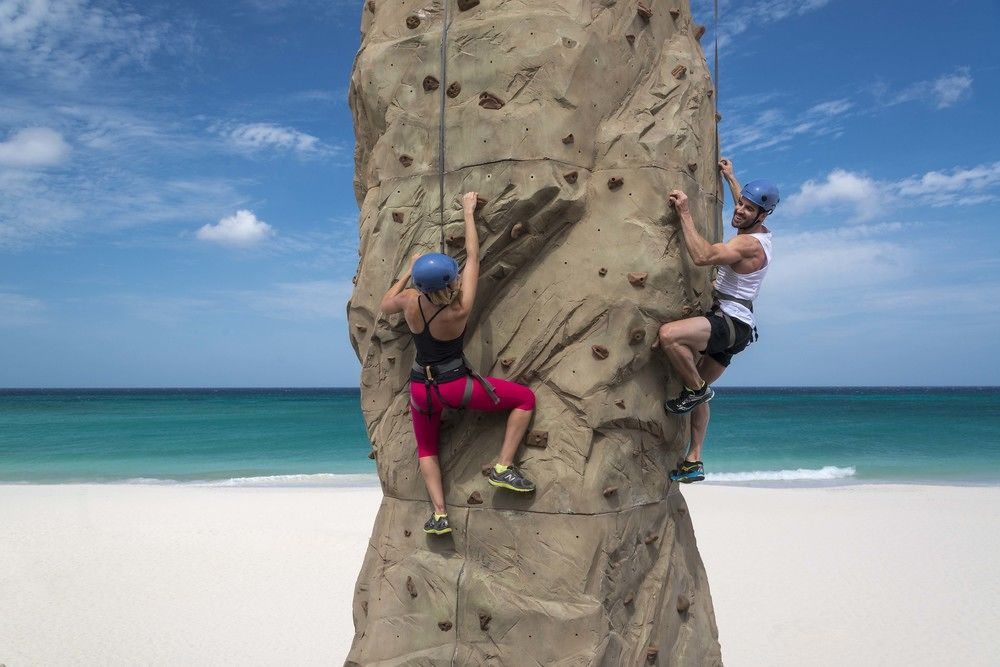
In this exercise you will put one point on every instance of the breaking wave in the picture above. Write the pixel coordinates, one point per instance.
(809, 474)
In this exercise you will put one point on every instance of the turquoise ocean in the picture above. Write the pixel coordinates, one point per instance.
(316, 437)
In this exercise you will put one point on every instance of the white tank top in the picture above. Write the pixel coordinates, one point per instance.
(743, 285)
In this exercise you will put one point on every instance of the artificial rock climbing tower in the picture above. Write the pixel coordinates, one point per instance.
(573, 119)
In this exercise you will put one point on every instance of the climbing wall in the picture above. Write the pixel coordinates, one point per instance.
(573, 119)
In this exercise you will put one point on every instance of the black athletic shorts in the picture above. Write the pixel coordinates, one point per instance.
(719, 338)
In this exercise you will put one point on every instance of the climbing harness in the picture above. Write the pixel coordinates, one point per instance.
(433, 375)
(443, 87)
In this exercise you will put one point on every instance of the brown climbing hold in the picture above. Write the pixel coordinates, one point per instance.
(475, 499)
(679, 72)
(484, 621)
(650, 538)
(371, 455)
(465, 5)
(430, 83)
(571, 177)
(615, 182)
(410, 587)
(537, 439)
(629, 599)
(568, 139)
(638, 279)
(645, 12)
(412, 22)
(354, 280)
(486, 468)
(397, 216)
(651, 652)
(405, 160)
(507, 362)
(480, 202)
(692, 166)
(636, 336)
(391, 360)
(710, 93)
(406, 532)
(599, 351)
(454, 89)
(371, 6)
(362, 328)
(718, 116)
(620, 404)
(610, 491)
(364, 607)
(674, 13)
(455, 240)
(686, 310)
(683, 603)
(490, 101)
(517, 230)
(602, 272)
(699, 31)
(631, 39)
(445, 626)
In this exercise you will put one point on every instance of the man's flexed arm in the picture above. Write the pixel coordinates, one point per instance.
(702, 252)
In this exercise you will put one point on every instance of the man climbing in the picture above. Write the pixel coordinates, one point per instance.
(730, 325)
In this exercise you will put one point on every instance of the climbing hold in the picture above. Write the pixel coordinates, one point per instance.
(480, 202)
(412, 22)
(430, 83)
(692, 166)
(599, 351)
(620, 404)
(637, 279)
(475, 499)
(683, 603)
(484, 621)
(569, 43)
(710, 93)
(631, 39)
(507, 362)
(699, 30)
(391, 360)
(454, 89)
(568, 139)
(410, 587)
(602, 272)
(718, 116)
(678, 73)
(650, 538)
(362, 328)
(499, 272)
(455, 240)
(397, 216)
(615, 182)
(674, 13)
(570, 177)
(645, 12)
(629, 599)
(445, 626)
(636, 336)
(406, 532)
(517, 230)
(537, 439)
(364, 607)
(371, 6)
(686, 310)
(610, 491)
(371, 455)
(651, 652)
(465, 5)
(486, 468)
(405, 160)
(490, 101)
(354, 280)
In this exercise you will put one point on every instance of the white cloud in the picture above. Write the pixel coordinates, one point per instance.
(241, 229)
(951, 187)
(263, 136)
(950, 88)
(737, 19)
(831, 108)
(943, 92)
(861, 196)
(34, 147)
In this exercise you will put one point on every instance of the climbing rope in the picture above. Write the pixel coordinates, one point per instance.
(715, 98)
(442, 87)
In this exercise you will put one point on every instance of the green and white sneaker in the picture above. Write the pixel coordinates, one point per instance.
(437, 525)
(510, 478)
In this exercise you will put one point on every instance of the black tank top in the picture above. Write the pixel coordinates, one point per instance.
(430, 350)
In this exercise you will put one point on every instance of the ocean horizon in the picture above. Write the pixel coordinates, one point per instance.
(293, 436)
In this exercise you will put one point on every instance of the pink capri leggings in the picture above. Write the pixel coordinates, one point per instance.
(426, 427)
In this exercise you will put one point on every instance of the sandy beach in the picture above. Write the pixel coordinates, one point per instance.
(131, 574)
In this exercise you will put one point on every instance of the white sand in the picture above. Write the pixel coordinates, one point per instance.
(125, 575)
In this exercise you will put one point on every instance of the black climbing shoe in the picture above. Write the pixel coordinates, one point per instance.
(437, 525)
(511, 479)
(689, 400)
(689, 471)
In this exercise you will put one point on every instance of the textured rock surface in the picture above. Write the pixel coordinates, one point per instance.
(573, 119)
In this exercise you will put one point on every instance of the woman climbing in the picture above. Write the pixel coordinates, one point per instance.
(437, 312)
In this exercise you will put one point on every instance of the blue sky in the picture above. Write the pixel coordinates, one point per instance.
(176, 206)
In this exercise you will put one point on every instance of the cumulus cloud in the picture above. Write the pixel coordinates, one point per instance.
(34, 147)
(242, 230)
(958, 183)
(860, 196)
(264, 136)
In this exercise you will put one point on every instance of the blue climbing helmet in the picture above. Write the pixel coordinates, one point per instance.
(761, 192)
(434, 271)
